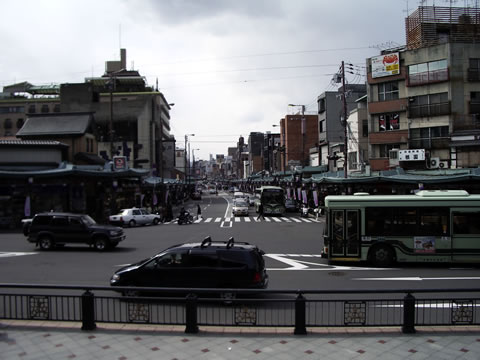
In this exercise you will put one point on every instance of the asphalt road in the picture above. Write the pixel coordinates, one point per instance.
(292, 248)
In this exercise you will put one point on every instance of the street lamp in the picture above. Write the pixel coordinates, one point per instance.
(193, 162)
(186, 140)
(161, 143)
(303, 130)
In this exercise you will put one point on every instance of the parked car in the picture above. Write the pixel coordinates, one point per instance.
(199, 265)
(133, 217)
(240, 207)
(52, 229)
(291, 205)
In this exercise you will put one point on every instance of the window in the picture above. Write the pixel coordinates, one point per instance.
(407, 221)
(474, 64)
(388, 91)
(321, 105)
(19, 123)
(59, 221)
(433, 71)
(45, 108)
(8, 124)
(56, 108)
(322, 126)
(365, 128)
(429, 105)
(422, 137)
(32, 109)
(466, 223)
(352, 160)
(388, 122)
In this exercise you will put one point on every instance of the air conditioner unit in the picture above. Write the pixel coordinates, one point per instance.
(434, 163)
(443, 164)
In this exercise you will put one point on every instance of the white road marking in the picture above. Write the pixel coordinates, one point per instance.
(12, 254)
(286, 219)
(247, 219)
(305, 220)
(237, 219)
(296, 220)
(276, 219)
(417, 278)
(208, 220)
(218, 220)
(304, 265)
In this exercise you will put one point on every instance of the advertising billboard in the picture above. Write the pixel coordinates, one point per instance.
(385, 65)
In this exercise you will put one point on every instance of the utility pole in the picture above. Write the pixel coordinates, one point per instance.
(345, 127)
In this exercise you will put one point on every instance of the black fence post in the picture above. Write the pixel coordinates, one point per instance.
(88, 311)
(408, 314)
(191, 314)
(300, 313)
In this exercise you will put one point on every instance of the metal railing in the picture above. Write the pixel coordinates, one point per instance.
(405, 308)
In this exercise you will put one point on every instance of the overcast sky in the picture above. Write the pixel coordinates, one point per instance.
(230, 66)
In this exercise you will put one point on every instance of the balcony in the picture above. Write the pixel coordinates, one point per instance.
(429, 143)
(429, 110)
(389, 137)
(466, 123)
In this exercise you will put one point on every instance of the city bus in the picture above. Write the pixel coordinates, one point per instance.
(272, 198)
(429, 226)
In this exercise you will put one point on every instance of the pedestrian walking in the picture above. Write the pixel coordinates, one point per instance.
(260, 212)
(199, 212)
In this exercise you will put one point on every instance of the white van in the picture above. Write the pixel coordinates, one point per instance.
(238, 195)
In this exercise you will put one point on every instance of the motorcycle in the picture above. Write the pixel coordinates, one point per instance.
(304, 211)
(185, 218)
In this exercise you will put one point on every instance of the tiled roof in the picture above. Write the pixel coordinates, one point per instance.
(19, 142)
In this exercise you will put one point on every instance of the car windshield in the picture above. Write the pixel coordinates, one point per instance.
(240, 203)
(87, 220)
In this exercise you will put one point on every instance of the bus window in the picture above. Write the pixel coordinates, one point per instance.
(434, 221)
(466, 223)
(405, 222)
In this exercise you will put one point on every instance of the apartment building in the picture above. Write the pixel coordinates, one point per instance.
(426, 96)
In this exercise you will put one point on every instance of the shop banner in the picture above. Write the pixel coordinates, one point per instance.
(315, 197)
(27, 206)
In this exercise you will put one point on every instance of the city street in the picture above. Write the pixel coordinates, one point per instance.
(292, 246)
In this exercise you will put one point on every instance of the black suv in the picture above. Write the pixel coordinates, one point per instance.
(51, 229)
(199, 265)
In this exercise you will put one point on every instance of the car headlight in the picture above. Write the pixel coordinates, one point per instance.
(115, 277)
(113, 232)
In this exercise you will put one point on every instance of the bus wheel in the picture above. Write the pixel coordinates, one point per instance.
(382, 256)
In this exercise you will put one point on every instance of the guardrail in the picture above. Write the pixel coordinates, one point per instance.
(264, 308)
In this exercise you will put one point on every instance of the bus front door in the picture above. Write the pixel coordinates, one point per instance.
(345, 234)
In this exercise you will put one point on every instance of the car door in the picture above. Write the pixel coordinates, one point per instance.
(146, 216)
(137, 216)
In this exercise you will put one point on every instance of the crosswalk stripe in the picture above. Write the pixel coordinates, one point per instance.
(296, 220)
(237, 219)
(218, 220)
(276, 219)
(208, 220)
(306, 220)
(268, 220)
(247, 219)
(286, 219)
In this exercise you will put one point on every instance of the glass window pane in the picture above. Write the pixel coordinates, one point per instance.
(422, 67)
(413, 69)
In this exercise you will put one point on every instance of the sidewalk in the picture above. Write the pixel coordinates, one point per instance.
(59, 340)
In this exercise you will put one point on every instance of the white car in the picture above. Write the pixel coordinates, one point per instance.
(240, 207)
(133, 217)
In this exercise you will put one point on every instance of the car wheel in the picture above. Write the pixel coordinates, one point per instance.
(156, 221)
(101, 244)
(132, 223)
(382, 256)
(46, 243)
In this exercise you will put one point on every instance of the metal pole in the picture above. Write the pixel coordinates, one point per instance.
(111, 115)
(185, 155)
(345, 140)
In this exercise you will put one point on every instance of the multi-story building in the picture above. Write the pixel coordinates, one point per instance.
(17, 101)
(330, 113)
(255, 155)
(271, 158)
(299, 133)
(426, 95)
(357, 145)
